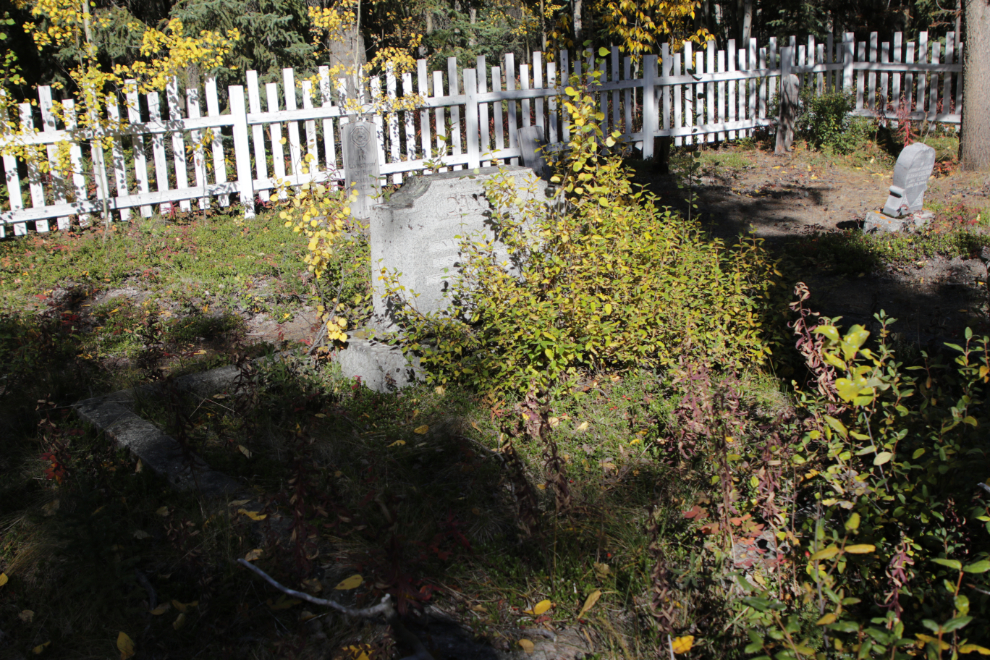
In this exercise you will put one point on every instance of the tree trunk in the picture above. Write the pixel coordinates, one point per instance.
(974, 142)
(473, 14)
(577, 24)
(747, 22)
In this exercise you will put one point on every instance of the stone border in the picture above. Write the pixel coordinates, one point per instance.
(114, 415)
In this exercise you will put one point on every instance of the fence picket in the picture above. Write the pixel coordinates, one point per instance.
(119, 166)
(695, 96)
(199, 155)
(455, 110)
(57, 180)
(326, 102)
(947, 105)
(922, 78)
(219, 161)
(409, 115)
(75, 160)
(275, 130)
(538, 84)
(441, 126)
(312, 164)
(497, 108)
(732, 86)
(423, 86)
(178, 143)
(486, 143)
(510, 85)
(158, 151)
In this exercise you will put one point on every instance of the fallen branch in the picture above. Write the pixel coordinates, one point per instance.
(383, 609)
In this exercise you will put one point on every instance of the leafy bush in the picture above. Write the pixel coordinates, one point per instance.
(826, 124)
(855, 523)
(608, 282)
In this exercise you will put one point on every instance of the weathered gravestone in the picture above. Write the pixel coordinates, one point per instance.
(533, 147)
(911, 173)
(903, 209)
(417, 235)
(361, 166)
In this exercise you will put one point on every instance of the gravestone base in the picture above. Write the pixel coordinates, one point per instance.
(381, 367)
(880, 223)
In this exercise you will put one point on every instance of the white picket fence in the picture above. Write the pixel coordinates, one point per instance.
(468, 118)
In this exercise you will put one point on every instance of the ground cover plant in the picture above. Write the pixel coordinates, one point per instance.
(700, 505)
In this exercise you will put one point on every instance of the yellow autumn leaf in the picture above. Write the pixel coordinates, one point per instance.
(161, 609)
(254, 554)
(352, 582)
(862, 549)
(162, 511)
(244, 450)
(422, 430)
(590, 602)
(125, 645)
(827, 619)
(827, 553)
(526, 645)
(582, 427)
(682, 644)
(39, 648)
(184, 607)
(974, 648)
(283, 603)
(398, 443)
(931, 640)
(3, 579)
(540, 608)
(179, 622)
(253, 515)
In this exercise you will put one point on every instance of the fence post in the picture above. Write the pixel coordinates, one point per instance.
(847, 65)
(650, 115)
(242, 153)
(789, 92)
(471, 117)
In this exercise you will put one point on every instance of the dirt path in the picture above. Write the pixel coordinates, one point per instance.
(791, 200)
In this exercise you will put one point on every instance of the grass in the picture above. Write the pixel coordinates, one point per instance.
(433, 495)
(410, 489)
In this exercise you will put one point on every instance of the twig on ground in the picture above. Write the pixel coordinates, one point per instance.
(152, 594)
(383, 609)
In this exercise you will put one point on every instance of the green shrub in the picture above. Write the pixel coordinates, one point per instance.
(826, 123)
(610, 283)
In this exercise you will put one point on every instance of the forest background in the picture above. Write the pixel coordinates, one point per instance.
(284, 33)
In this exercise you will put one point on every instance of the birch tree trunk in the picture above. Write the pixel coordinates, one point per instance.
(974, 143)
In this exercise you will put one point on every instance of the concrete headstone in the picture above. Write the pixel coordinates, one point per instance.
(361, 166)
(532, 145)
(419, 232)
(911, 173)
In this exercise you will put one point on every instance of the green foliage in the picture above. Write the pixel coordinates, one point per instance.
(609, 283)
(826, 123)
(890, 457)
(274, 34)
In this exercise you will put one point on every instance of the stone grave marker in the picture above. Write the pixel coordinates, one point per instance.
(419, 232)
(533, 147)
(911, 173)
(361, 166)
(903, 209)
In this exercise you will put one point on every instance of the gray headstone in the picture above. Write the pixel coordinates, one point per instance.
(419, 232)
(911, 173)
(532, 145)
(361, 166)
